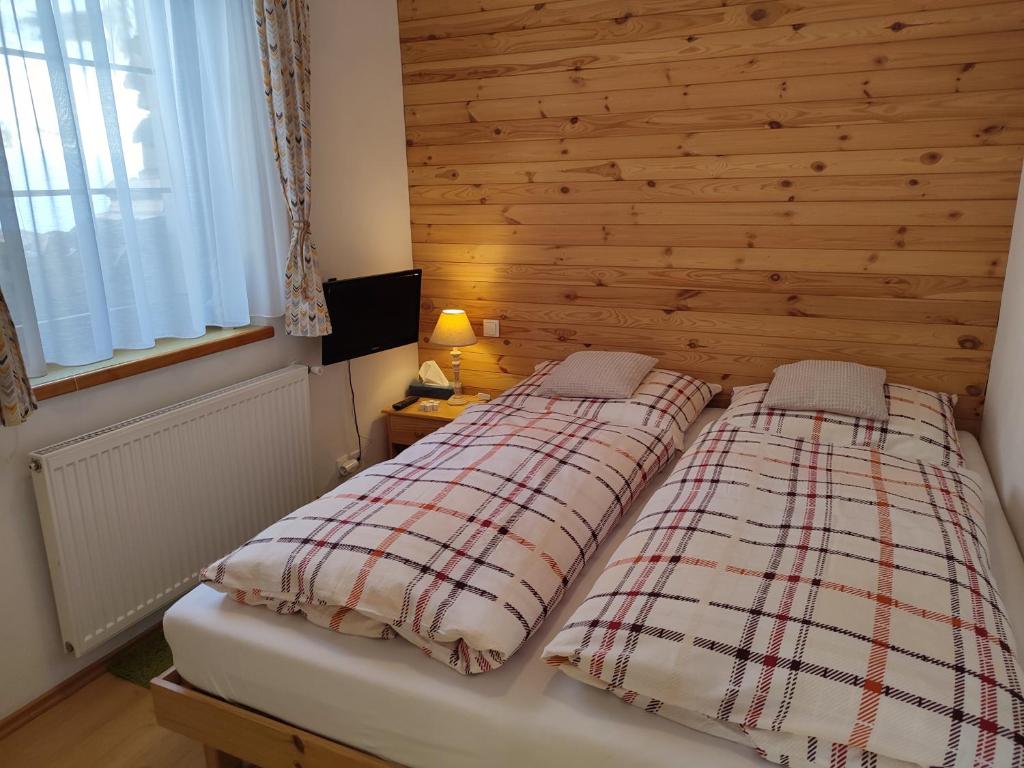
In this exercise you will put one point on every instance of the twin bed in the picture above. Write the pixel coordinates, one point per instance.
(587, 610)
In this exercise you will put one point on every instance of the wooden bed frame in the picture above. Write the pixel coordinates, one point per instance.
(233, 735)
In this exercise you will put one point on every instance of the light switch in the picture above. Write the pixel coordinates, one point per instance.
(491, 328)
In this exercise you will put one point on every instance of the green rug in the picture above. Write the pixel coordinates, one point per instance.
(143, 660)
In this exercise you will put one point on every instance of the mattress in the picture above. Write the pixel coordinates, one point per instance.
(388, 699)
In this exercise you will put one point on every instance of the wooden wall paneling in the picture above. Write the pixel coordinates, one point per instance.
(975, 132)
(929, 24)
(567, 321)
(964, 77)
(728, 186)
(928, 311)
(923, 160)
(682, 24)
(790, 115)
(937, 287)
(941, 212)
(886, 262)
(960, 186)
(464, 18)
(971, 48)
(431, 9)
(459, 18)
(956, 238)
(541, 342)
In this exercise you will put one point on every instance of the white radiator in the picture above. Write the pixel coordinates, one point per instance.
(130, 513)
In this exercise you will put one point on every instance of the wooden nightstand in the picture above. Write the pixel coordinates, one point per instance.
(410, 424)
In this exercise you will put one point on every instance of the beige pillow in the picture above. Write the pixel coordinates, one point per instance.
(601, 375)
(829, 385)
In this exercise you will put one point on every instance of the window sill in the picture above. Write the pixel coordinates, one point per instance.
(63, 381)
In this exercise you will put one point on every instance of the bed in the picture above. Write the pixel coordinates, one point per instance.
(317, 689)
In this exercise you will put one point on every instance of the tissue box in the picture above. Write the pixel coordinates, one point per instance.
(419, 389)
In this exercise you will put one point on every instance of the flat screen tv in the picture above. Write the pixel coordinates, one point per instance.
(370, 314)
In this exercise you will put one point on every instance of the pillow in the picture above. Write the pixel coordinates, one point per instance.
(663, 399)
(601, 375)
(829, 385)
(920, 427)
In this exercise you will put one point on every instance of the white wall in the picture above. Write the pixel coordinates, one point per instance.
(1002, 430)
(31, 657)
(361, 223)
(360, 216)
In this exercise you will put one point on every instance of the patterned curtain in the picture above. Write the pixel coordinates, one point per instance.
(16, 399)
(283, 28)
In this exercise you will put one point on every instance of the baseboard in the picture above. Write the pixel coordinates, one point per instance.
(65, 689)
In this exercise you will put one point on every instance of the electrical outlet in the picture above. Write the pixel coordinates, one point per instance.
(347, 464)
(491, 328)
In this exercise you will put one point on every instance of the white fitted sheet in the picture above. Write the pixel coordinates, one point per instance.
(386, 698)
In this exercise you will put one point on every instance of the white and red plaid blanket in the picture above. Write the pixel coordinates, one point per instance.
(463, 543)
(828, 605)
(663, 399)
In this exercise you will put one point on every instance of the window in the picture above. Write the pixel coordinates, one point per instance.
(138, 195)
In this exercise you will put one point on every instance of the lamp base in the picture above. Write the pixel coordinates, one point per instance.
(456, 374)
(458, 400)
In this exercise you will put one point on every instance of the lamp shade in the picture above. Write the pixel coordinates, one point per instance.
(453, 329)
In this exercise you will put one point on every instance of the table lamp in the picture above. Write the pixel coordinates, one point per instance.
(453, 330)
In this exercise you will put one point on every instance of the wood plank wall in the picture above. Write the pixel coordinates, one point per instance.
(727, 184)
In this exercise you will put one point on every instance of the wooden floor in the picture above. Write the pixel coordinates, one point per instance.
(107, 724)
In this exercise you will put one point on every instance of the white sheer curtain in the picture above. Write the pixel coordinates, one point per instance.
(138, 194)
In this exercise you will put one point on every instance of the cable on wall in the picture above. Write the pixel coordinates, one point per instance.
(355, 415)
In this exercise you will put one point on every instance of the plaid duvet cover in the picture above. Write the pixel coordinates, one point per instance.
(663, 399)
(463, 543)
(921, 424)
(827, 605)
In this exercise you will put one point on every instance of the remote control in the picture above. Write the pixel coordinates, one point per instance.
(404, 403)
